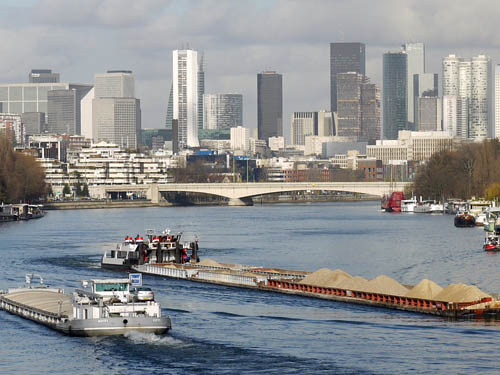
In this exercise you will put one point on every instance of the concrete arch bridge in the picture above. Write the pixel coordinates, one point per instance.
(240, 194)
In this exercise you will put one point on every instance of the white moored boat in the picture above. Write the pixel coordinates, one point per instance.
(408, 205)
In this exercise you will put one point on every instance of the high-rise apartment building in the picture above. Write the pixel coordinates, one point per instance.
(415, 53)
(186, 95)
(201, 90)
(497, 102)
(240, 138)
(222, 111)
(269, 105)
(344, 58)
(450, 114)
(116, 113)
(395, 93)
(469, 81)
(43, 76)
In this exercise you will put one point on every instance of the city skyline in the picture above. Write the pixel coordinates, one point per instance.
(141, 37)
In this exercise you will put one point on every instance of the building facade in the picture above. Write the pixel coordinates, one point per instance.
(34, 122)
(415, 53)
(344, 58)
(269, 105)
(64, 110)
(222, 111)
(370, 113)
(497, 101)
(186, 95)
(43, 76)
(429, 114)
(240, 139)
(395, 94)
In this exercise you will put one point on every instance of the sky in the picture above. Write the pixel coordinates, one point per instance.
(239, 38)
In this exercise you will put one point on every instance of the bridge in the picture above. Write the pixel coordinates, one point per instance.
(240, 194)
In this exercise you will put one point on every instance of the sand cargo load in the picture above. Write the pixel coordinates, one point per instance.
(454, 301)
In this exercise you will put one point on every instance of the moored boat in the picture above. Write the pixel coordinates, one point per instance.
(464, 220)
(408, 205)
(392, 203)
(105, 308)
(491, 242)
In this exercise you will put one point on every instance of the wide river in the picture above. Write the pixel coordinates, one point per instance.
(224, 330)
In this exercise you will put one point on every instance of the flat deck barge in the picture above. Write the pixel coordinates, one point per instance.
(289, 282)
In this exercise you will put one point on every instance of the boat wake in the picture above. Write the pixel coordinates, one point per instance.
(152, 339)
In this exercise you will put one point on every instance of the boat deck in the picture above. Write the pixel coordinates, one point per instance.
(42, 300)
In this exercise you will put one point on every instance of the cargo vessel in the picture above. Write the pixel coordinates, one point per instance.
(105, 307)
(471, 303)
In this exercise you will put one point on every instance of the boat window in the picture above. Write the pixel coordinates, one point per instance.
(122, 254)
(118, 287)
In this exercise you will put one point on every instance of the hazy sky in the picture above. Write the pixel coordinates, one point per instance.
(240, 38)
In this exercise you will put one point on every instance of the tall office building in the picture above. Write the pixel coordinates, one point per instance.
(116, 113)
(469, 81)
(424, 84)
(269, 105)
(43, 76)
(370, 113)
(240, 138)
(115, 84)
(395, 94)
(186, 95)
(222, 111)
(349, 104)
(415, 53)
(170, 109)
(344, 58)
(34, 122)
(303, 124)
(201, 90)
(429, 114)
(497, 102)
(64, 110)
(326, 127)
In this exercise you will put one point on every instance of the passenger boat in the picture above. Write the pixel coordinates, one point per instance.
(156, 248)
(464, 219)
(105, 307)
(408, 205)
(423, 207)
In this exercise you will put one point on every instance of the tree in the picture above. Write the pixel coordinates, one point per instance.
(66, 189)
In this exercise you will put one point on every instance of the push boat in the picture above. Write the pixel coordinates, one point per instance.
(491, 242)
(103, 308)
(157, 248)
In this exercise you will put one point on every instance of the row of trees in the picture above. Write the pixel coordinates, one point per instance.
(22, 179)
(472, 170)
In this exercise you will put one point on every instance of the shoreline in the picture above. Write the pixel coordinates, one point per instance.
(79, 205)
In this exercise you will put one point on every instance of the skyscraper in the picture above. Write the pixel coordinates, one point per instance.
(424, 84)
(395, 94)
(186, 95)
(344, 58)
(116, 113)
(370, 112)
(469, 81)
(269, 105)
(43, 76)
(349, 104)
(415, 53)
(429, 113)
(64, 110)
(170, 108)
(303, 124)
(222, 111)
(497, 102)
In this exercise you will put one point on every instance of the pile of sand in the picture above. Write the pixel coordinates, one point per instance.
(325, 277)
(460, 293)
(385, 285)
(357, 283)
(425, 289)
(209, 262)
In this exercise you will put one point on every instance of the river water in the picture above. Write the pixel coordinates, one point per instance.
(223, 330)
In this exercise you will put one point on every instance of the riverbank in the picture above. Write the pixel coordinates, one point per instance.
(99, 204)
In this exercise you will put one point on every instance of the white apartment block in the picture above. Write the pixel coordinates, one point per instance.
(240, 139)
(417, 146)
(450, 114)
(277, 143)
(12, 125)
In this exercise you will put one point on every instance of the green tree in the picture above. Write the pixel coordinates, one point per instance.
(66, 189)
